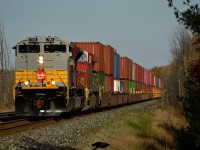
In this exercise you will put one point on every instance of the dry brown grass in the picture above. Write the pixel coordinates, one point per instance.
(167, 125)
(133, 142)
(142, 130)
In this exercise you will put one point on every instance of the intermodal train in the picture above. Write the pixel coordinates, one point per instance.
(54, 76)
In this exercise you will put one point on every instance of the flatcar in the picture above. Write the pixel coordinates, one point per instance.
(53, 76)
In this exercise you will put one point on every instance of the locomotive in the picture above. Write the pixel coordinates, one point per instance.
(54, 76)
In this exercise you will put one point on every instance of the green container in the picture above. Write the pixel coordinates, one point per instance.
(99, 80)
(131, 85)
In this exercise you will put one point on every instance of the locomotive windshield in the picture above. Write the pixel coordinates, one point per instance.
(54, 48)
(83, 58)
(29, 48)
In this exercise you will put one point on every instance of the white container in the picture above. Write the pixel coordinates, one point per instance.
(116, 85)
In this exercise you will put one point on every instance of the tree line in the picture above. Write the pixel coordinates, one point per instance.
(182, 75)
(6, 73)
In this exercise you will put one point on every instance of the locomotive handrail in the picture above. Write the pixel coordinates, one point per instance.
(14, 92)
(67, 89)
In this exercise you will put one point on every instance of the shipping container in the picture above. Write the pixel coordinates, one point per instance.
(97, 49)
(149, 78)
(130, 69)
(116, 85)
(138, 86)
(133, 71)
(125, 68)
(124, 86)
(139, 73)
(144, 76)
(136, 70)
(132, 86)
(109, 83)
(116, 66)
(99, 80)
(152, 79)
(109, 60)
(121, 86)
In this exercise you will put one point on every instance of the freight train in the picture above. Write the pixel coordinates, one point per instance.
(54, 76)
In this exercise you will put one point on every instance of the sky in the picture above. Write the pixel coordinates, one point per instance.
(138, 29)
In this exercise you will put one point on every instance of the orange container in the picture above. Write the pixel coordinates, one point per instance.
(109, 83)
(123, 68)
(130, 67)
(109, 60)
(136, 72)
(95, 48)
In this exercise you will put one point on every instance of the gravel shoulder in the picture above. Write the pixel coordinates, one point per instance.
(72, 133)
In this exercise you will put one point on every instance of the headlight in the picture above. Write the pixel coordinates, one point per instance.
(53, 82)
(41, 59)
(26, 83)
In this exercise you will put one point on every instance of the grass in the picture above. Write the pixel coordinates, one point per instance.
(141, 130)
(5, 107)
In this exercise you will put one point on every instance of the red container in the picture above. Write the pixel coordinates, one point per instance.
(109, 83)
(130, 67)
(139, 73)
(142, 75)
(136, 71)
(109, 60)
(95, 48)
(152, 79)
(125, 68)
(133, 71)
(149, 78)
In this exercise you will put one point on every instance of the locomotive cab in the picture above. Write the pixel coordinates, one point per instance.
(45, 76)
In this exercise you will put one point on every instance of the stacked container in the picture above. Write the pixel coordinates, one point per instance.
(116, 72)
(139, 75)
(109, 68)
(132, 82)
(99, 80)
(98, 50)
(125, 74)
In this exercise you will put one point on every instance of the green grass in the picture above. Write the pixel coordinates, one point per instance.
(141, 122)
(139, 130)
(123, 129)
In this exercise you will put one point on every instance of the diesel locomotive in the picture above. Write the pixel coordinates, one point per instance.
(53, 76)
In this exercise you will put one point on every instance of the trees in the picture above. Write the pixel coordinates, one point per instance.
(192, 99)
(190, 18)
(180, 48)
(6, 75)
(175, 75)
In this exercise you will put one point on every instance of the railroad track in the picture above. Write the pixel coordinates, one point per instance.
(9, 116)
(14, 126)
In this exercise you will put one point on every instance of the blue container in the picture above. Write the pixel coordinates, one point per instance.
(117, 66)
(121, 86)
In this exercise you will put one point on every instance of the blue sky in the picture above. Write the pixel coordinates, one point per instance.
(138, 29)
